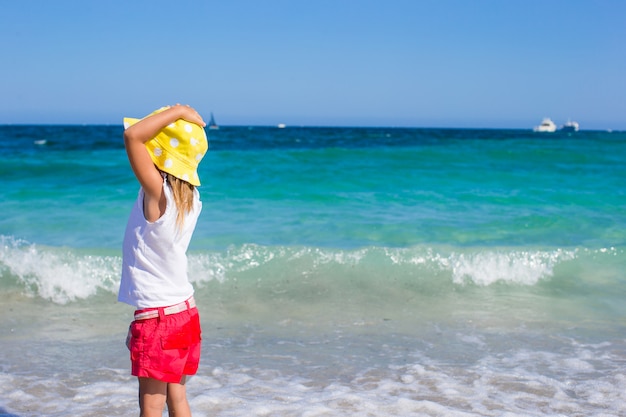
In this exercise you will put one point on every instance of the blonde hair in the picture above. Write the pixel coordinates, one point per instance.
(183, 197)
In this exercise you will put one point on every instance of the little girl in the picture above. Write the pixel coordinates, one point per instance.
(164, 150)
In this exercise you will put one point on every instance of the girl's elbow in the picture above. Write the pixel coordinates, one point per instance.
(129, 137)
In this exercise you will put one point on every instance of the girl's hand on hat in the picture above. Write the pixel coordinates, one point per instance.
(190, 114)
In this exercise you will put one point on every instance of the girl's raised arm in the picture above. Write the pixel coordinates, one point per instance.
(135, 138)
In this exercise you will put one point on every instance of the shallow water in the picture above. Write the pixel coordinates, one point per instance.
(363, 272)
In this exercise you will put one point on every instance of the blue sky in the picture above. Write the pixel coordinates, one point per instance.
(422, 63)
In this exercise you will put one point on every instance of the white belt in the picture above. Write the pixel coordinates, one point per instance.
(178, 308)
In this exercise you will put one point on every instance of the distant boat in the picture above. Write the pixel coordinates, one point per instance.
(212, 124)
(281, 126)
(547, 125)
(570, 127)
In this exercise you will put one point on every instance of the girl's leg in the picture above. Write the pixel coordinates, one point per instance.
(177, 405)
(152, 396)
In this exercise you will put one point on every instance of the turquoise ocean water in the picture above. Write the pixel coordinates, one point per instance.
(338, 271)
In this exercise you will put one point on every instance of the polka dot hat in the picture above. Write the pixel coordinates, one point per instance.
(177, 149)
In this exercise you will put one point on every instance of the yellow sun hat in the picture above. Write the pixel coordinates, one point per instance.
(177, 148)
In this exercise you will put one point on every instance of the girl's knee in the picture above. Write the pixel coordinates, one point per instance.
(176, 393)
(152, 397)
(177, 400)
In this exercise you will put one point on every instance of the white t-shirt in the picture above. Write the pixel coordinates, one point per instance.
(154, 264)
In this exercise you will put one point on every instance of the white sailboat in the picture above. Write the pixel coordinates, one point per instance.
(212, 124)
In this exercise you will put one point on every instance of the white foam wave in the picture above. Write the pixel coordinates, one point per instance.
(64, 274)
(519, 267)
(58, 274)
(485, 267)
(479, 266)
(512, 385)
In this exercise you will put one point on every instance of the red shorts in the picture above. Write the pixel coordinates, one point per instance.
(166, 347)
